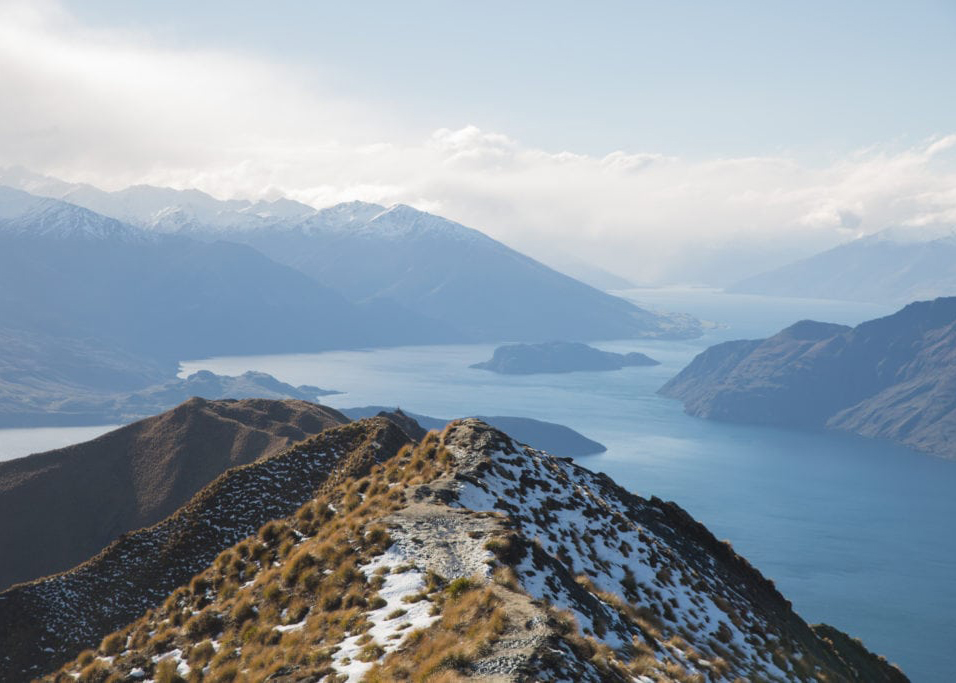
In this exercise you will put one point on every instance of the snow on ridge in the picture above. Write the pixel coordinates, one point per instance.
(578, 521)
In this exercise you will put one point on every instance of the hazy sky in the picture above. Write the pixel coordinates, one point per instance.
(647, 137)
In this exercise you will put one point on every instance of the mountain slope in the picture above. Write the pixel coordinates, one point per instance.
(893, 378)
(439, 269)
(48, 621)
(881, 268)
(468, 557)
(66, 271)
(71, 502)
(448, 272)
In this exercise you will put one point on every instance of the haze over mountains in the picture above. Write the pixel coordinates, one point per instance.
(891, 378)
(893, 266)
(437, 268)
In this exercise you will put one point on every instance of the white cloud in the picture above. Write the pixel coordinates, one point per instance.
(115, 109)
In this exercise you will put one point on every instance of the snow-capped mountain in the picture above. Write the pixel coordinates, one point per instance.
(437, 268)
(355, 556)
(75, 273)
(25, 216)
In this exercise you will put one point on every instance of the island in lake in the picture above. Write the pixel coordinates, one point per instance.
(529, 359)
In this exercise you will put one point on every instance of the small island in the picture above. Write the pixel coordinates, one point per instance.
(529, 359)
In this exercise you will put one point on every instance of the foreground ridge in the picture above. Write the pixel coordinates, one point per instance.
(48, 621)
(473, 557)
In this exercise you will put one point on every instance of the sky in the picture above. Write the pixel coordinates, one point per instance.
(667, 142)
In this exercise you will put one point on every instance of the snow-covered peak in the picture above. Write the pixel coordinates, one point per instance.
(401, 221)
(50, 218)
(343, 216)
(26, 180)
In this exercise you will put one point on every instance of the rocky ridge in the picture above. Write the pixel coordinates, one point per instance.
(468, 556)
(47, 621)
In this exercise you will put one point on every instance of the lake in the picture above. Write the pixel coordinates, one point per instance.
(15, 443)
(856, 533)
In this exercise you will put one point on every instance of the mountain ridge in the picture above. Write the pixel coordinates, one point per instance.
(467, 556)
(891, 378)
(72, 502)
(434, 267)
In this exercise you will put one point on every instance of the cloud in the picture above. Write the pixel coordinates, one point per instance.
(114, 108)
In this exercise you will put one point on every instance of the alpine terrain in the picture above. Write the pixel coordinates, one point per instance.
(360, 555)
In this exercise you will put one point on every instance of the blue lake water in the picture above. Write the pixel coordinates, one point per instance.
(857, 533)
(18, 442)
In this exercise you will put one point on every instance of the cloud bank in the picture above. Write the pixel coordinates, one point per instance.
(114, 108)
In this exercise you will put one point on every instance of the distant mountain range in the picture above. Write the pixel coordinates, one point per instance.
(479, 288)
(891, 378)
(362, 555)
(894, 266)
(67, 271)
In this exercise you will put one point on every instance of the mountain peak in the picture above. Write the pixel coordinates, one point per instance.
(401, 221)
(24, 215)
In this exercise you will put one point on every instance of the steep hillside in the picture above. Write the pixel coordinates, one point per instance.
(887, 267)
(70, 503)
(397, 256)
(455, 274)
(467, 557)
(68, 272)
(892, 378)
(50, 620)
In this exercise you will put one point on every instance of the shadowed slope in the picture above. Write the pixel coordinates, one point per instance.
(71, 502)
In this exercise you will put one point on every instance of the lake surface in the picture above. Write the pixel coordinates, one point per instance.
(16, 443)
(858, 534)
